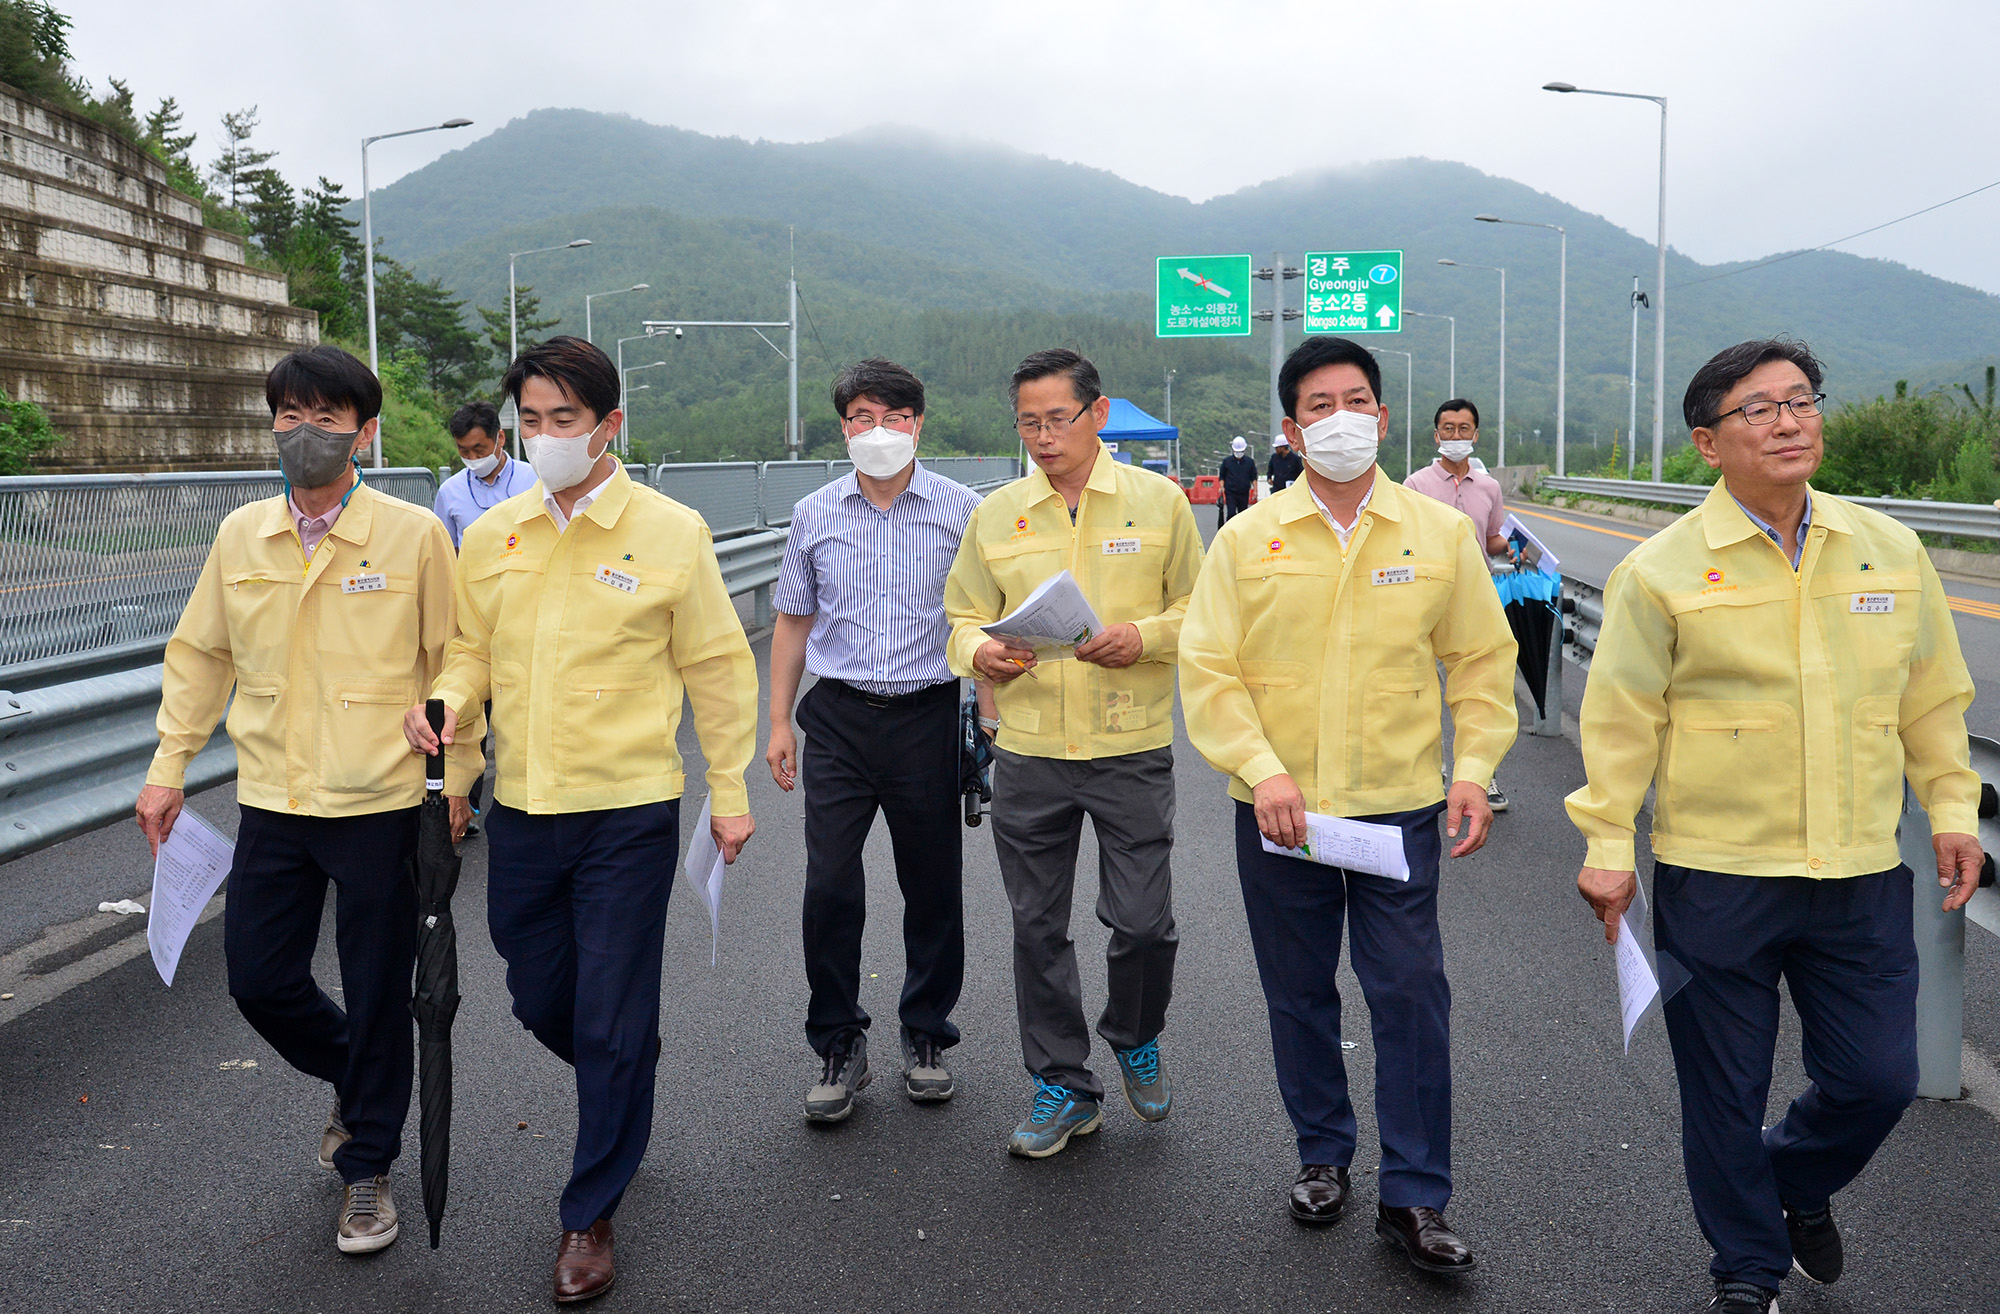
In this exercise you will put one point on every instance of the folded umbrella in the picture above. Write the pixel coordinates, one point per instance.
(1531, 600)
(975, 761)
(435, 1002)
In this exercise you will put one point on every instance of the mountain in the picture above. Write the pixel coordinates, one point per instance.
(908, 244)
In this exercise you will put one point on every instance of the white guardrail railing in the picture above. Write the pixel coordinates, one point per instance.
(1951, 519)
(94, 571)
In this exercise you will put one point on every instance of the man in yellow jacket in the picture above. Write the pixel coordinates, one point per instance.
(588, 606)
(326, 610)
(1309, 678)
(1777, 662)
(1090, 736)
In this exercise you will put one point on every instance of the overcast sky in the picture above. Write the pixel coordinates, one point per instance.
(1794, 122)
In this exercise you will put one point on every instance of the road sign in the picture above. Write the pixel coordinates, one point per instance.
(1204, 296)
(1354, 291)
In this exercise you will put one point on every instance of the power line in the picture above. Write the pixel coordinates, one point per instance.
(815, 328)
(1793, 255)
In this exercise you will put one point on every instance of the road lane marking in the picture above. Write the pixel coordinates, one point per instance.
(1578, 524)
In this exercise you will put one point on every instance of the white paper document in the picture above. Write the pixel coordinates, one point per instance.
(1055, 615)
(1637, 985)
(704, 870)
(1537, 555)
(1364, 846)
(186, 875)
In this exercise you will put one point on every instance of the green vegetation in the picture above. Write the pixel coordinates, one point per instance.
(25, 434)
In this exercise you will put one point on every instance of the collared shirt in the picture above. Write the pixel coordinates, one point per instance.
(1134, 551)
(1298, 659)
(583, 502)
(874, 580)
(324, 657)
(587, 638)
(1476, 493)
(1778, 711)
(1343, 532)
(1771, 531)
(464, 497)
(311, 529)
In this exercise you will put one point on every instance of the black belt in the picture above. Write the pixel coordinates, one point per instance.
(880, 700)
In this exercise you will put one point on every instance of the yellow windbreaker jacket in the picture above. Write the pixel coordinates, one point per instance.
(1778, 711)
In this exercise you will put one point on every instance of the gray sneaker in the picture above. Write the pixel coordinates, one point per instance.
(1058, 1114)
(845, 1075)
(924, 1076)
(1146, 1087)
(367, 1217)
(1496, 797)
(333, 1137)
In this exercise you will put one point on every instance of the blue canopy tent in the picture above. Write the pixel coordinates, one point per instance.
(1130, 424)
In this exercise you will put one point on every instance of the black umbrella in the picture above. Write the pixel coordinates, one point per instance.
(1531, 601)
(435, 1002)
(975, 762)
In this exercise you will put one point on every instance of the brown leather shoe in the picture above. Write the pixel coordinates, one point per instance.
(1426, 1238)
(583, 1264)
(1319, 1193)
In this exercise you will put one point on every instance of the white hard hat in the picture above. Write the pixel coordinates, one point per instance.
(1277, 441)
(1238, 445)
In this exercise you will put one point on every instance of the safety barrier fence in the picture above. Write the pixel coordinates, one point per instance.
(95, 569)
(1949, 519)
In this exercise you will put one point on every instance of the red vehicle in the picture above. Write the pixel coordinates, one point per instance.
(1206, 490)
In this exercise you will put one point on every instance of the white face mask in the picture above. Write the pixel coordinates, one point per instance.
(1342, 446)
(1455, 449)
(882, 453)
(482, 466)
(561, 462)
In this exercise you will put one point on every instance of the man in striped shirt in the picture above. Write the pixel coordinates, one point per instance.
(860, 604)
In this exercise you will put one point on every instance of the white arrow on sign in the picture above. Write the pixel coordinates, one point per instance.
(1199, 281)
(1386, 316)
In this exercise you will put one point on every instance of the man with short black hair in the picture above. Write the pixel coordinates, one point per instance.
(860, 603)
(590, 606)
(1309, 678)
(488, 477)
(325, 610)
(1775, 665)
(1092, 736)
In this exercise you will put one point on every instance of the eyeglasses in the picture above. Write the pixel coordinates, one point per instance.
(1056, 428)
(1458, 428)
(893, 420)
(1802, 407)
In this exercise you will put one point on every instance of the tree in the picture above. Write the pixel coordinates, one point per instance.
(34, 47)
(235, 168)
(425, 320)
(273, 212)
(25, 433)
(527, 312)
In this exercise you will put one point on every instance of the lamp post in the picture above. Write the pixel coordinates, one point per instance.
(1632, 420)
(1451, 370)
(588, 336)
(1169, 418)
(1659, 276)
(620, 352)
(1500, 457)
(368, 245)
(513, 323)
(793, 439)
(1409, 388)
(1562, 322)
(625, 391)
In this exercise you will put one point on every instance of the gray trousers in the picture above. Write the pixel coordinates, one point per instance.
(1039, 804)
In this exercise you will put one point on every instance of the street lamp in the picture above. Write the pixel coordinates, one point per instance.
(1659, 277)
(625, 391)
(513, 323)
(1562, 322)
(588, 336)
(1501, 455)
(368, 243)
(1409, 387)
(1451, 372)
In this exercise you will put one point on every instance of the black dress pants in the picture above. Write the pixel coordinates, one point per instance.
(863, 754)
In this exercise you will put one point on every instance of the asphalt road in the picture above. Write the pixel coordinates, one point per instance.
(185, 1179)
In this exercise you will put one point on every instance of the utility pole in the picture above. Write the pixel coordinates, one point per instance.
(1632, 421)
(1276, 275)
(1169, 417)
(793, 438)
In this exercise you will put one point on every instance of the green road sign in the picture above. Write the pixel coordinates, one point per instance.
(1204, 296)
(1354, 291)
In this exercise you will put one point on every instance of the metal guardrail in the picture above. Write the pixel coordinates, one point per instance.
(1950, 519)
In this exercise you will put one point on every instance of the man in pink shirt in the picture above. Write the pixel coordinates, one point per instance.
(1452, 480)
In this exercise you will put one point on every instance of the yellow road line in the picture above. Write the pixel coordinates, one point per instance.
(1577, 524)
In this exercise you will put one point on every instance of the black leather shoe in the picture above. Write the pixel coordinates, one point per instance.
(1319, 1193)
(1817, 1255)
(1426, 1238)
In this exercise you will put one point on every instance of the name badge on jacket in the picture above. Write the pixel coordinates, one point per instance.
(1872, 603)
(364, 583)
(1396, 575)
(1118, 547)
(618, 579)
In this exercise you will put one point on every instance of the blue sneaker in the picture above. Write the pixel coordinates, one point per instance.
(1058, 1115)
(1146, 1087)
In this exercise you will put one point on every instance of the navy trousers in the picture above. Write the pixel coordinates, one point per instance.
(577, 905)
(1846, 950)
(898, 757)
(270, 927)
(1295, 909)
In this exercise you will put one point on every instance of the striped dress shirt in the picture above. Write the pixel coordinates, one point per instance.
(874, 580)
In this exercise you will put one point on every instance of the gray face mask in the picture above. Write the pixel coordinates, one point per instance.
(312, 457)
